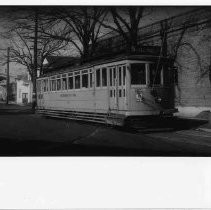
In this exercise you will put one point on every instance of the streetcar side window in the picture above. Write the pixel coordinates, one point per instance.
(98, 78)
(90, 78)
(64, 82)
(58, 84)
(77, 80)
(45, 85)
(155, 73)
(124, 74)
(84, 79)
(70, 82)
(104, 77)
(120, 76)
(42, 85)
(138, 74)
(53, 85)
(115, 76)
(111, 80)
(50, 83)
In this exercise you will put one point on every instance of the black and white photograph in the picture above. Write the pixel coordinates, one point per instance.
(105, 106)
(105, 80)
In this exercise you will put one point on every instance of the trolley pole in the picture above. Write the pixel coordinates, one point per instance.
(8, 74)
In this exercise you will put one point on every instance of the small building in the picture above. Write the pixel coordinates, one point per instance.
(24, 89)
(3, 88)
(3, 92)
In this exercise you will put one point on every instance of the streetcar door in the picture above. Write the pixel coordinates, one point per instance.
(121, 87)
(113, 88)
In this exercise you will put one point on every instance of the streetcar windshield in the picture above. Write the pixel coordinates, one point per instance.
(138, 74)
(155, 73)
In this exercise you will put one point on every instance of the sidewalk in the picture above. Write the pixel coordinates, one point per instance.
(205, 127)
(202, 116)
(13, 108)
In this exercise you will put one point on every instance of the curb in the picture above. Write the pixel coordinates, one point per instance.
(205, 129)
(9, 111)
(192, 118)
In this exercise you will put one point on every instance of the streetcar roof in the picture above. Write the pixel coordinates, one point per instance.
(56, 62)
(75, 65)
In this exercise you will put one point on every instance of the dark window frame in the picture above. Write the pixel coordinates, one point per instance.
(104, 77)
(98, 77)
(77, 79)
(72, 87)
(85, 80)
(138, 75)
(157, 80)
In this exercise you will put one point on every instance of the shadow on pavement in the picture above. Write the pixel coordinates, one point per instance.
(9, 147)
(154, 124)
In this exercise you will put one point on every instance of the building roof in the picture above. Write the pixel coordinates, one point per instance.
(23, 77)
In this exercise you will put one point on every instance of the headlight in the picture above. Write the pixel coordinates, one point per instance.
(159, 99)
(139, 95)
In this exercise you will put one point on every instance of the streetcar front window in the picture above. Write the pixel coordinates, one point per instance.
(155, 73)
(138, 74)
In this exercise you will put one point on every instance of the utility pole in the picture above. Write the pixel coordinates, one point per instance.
(8, 74)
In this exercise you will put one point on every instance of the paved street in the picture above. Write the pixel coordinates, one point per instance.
(26, 134)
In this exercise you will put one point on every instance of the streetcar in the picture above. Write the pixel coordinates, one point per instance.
(108, 90)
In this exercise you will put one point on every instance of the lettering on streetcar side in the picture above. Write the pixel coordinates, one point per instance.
(68, 95)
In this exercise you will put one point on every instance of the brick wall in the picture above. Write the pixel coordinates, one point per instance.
(193, 62)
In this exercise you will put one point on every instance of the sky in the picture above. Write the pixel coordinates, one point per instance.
(156, 14)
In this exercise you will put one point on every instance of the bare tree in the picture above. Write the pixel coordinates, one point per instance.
(125, 22)
(80, 26)
(22, 50)
(29, 47)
